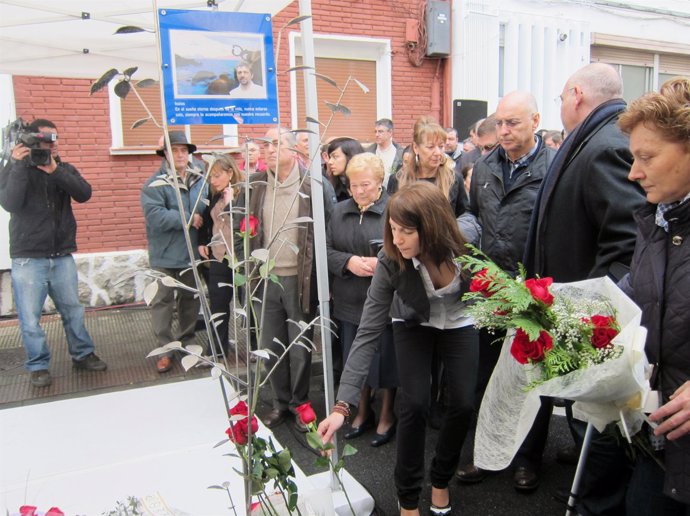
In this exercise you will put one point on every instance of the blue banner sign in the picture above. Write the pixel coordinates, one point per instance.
(218, 67)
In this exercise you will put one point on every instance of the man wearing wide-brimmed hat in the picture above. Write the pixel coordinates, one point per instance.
(167, 247)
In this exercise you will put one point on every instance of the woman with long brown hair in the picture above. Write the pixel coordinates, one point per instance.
(417, 285)
(216, 232)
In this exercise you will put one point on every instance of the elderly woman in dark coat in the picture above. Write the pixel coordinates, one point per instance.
(354, 232)
(659, 282)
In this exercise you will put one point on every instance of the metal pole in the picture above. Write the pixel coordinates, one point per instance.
(570, 510)
(312, 111)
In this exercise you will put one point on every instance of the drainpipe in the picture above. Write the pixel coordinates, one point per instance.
(436, 92)
(448, 79)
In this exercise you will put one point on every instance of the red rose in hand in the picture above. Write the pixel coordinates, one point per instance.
(481, 283)
(253, 226)
(525, 350)
(605, 329)
(27, 510)
(306, 413)
(539, 288)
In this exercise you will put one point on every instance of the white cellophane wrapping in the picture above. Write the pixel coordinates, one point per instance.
(603, 393)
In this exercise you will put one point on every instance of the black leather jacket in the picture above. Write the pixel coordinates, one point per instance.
(505, 216)
(42, 224)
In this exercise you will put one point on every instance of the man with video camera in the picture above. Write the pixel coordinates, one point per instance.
(37, 189)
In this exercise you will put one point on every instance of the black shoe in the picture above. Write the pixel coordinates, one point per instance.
(40, 378)
(90, 362)
(470, 474)
(385, 437)
(356, 431)
(568, 455)
(525, 479)
(301, 427)
(274, 418)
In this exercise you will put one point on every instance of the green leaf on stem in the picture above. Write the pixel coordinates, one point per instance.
(349, 450)
(239, 279)
(285, 459)
(314, 440)
(322, 462)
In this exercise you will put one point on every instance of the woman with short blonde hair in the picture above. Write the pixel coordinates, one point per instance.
(659, 282)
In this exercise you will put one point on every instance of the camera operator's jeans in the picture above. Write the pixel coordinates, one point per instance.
(33, 279)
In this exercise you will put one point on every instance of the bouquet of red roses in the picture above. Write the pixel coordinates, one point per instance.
(579, 341)
(555, 331)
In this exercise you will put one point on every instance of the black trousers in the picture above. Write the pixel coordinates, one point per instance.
(220, 298)
(458, 350)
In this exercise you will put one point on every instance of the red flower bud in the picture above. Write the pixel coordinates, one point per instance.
(605, 329)
(539, 288)
(306, 413)
(526, 351)
(481, 283)
(253, 226)
(239, 431)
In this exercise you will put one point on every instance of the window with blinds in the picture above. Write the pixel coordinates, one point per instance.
(642, 68)
(360, 123)
(147, 134)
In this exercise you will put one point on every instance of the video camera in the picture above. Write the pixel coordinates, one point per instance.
(18, 132)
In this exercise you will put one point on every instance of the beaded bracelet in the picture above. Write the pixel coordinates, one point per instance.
(342, 408)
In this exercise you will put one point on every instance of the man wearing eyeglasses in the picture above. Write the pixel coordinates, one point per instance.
(582, 228)
(487, 139)
(505, 183)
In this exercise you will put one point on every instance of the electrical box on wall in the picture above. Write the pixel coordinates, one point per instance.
(438, 28)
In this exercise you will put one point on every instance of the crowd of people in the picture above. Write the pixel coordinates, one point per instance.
(607, 196)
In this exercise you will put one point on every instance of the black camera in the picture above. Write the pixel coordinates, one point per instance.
(18, 132)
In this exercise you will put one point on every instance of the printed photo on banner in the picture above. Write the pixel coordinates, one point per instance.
(217, 64)
(218, 67)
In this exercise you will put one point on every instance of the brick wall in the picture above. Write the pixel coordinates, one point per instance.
(112, 220)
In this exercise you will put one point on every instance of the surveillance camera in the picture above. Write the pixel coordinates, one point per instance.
(562, 36)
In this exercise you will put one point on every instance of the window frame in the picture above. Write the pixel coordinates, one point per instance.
(117, 147)
(348, 47)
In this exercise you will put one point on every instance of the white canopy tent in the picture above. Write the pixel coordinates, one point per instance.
(75, 38)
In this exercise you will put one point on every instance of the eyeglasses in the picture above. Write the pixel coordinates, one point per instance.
(559, 98)
(508, 123)
(487, 148)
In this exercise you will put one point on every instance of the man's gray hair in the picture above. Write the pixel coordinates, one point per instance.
(386, 122)
(288, 135)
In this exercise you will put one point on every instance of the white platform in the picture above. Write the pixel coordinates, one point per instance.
(85, 454)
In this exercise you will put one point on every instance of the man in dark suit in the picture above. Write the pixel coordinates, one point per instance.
(505, 185)
(583, 227)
